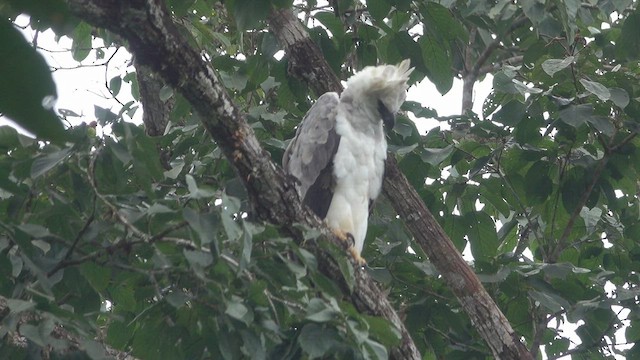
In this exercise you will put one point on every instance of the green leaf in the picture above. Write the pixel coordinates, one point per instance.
(591, 218)
(8, 138)
(82, 37)
(104, 116)
(119, 334)
(98, 276)
(332, 23)
(498, 277)
(402, 46)
(534, 10)
(17, 306)
(45, 163)
(483, 237)
(377, 350)
(237, 310)
(27, 90)
(229, 215)
(576, 115)
(203, 224)
(94, 349)
(253, 346)
(437, 62)
(33, 333)
(16, 264)
(418, 110)
(249, 13)
(632, 332)
(247, 246)
(597, 89)
(383, 331)
(166, 93)
(511, 113)
(628, 44)
(234, 81)
(320, 311)
(124, 297)
(561, 270)
(115, 84)
(620, 97)
(440, 21)
(316, 340)
(436, 156)
(528, 131)
(572, 188)
(378, 9)
(175, 171)
(492, 192)
(538, 184)
(194, 191)
(198, 258)
(552, 66)
(34, 230)
(553, 302)
(404, 128)
(602, 124)
(504, 83)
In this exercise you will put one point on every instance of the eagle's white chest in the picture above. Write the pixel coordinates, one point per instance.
(358, 168)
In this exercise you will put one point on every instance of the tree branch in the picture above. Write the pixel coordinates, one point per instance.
(486, 316)
(473, 70)
(314, 70)
(155, 41)
(562, 241)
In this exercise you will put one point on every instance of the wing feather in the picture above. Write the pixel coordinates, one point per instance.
(309, 156)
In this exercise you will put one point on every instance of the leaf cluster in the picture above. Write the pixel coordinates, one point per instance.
(147, 245)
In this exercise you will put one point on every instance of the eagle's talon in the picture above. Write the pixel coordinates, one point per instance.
(343, 236)
(350, 240)
(360, 261)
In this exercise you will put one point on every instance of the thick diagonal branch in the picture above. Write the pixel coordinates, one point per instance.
(156, 43)
(487, 318)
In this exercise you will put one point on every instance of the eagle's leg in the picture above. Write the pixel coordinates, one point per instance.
(348, 238)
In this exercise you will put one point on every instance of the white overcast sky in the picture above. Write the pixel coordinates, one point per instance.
(81, 86)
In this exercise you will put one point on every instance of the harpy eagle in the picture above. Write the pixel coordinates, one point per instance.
(338, 152)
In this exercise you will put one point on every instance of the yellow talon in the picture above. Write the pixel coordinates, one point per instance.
(348, 238)
(360, 261)
(342, 235)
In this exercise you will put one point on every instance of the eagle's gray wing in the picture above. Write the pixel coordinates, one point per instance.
(309, 156)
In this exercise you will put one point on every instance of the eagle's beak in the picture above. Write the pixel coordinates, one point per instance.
(388, 118)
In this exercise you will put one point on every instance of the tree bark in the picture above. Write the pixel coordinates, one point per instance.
(155, 110)
(487, 318)
(155, 41)
(305, 60)
(485, 315)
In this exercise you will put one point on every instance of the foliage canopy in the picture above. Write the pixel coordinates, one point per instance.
(146, 244)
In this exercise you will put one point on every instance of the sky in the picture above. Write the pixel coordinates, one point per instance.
(83, 85)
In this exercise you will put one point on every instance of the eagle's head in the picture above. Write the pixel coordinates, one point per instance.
(383, 88)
